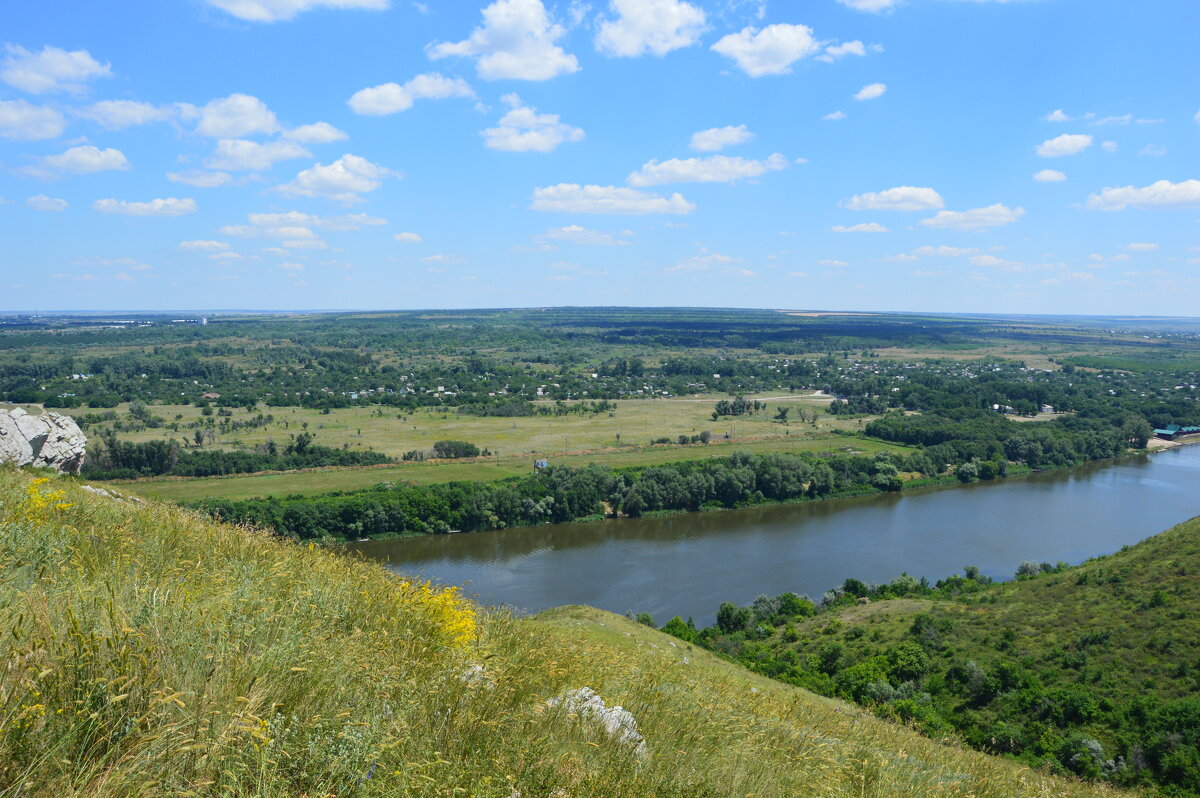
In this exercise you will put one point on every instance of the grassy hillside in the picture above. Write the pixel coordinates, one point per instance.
(1044, 668)
(148, 652)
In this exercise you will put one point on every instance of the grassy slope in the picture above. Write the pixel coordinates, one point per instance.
(1123, 626)
(148, 652)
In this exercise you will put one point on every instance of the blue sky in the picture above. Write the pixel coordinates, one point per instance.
(953, 155)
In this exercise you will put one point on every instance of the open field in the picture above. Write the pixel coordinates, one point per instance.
(246, 486)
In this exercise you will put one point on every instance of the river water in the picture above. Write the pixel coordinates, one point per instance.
(688, 564)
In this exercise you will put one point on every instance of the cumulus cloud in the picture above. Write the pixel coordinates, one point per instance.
(1049, 176)
(204, 246)
(1066, 144)
(1057, 115)
(199, 179)
(391, 98)
(84, 160)
(711, 169)
(343, 180)
(873, 6)
(515, 42)
(120, 114)
(52, 69)
(871, 91)
(243, 155)
(316, 133)
(576, 234)
(41, 202)
(944, 251)
(836, 116)
(718, 138)
(26, 122)
(236, 116)
(407, 238)
(900, 198)
(283, 10)
(156, 207)
(1162, 194)
(523, 129)
(866, 227)
(574, 198)
(835, 51)
(654, 27)
(769, 51)
(974, 219)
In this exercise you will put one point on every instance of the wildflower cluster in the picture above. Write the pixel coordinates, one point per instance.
(36, 506)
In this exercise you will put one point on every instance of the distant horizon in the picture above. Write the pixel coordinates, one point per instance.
(823, 311)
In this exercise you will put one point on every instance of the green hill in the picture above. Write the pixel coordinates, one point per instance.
(147, 651)
(1093, 670)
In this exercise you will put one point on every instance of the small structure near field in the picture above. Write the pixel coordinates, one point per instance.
(538, 465)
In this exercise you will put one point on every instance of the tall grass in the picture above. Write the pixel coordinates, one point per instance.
(148, 652)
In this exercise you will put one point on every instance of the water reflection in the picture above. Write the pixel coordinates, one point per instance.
(688, 564)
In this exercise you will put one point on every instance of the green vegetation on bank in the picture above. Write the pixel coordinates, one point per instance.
(148, 651)
(1092, 670)
(981, 445)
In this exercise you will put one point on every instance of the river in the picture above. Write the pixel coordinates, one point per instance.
(688, 564)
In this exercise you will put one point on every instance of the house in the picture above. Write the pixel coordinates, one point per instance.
(210, 395)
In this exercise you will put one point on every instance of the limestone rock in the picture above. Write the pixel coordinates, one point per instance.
(50, 440)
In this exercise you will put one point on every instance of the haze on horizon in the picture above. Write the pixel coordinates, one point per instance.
(995, 156)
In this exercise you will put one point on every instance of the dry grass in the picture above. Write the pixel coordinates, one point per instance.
(148, 652)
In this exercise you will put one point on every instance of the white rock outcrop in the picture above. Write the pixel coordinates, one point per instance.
(618, 723)
(50, 440)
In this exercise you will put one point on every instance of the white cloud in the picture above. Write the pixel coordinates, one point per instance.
(1162, 194)
(26, 122)
(718, 138)
(874, 6)
(835, 51)
(203, 246)
(515, 42)
(523, 129)
(407, 238)
(711, 169)
(235, 116)
(316, 133)
(156, 207)
(944, 251)
(52, 69)
(974, 219)
(296, 267)
(198, 179)
(1066, 144)
(283, 10)
(1114, 120)
(833, 263)
(1057, 115)
(836, 116)
(443, 258)
(1109, 146)
(770, 51)
(391, 98)
(120, 114)
(871, 91)
(703, 262)
(243, 155)
(86, 159)
(1049, 176)
(575, 234)
(1154, 150)
(900, 198)
(649, 26)
(574, 198)
(866, 227)
(1141, 247)
(41, 202)
(343, 180)
(993, 262)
